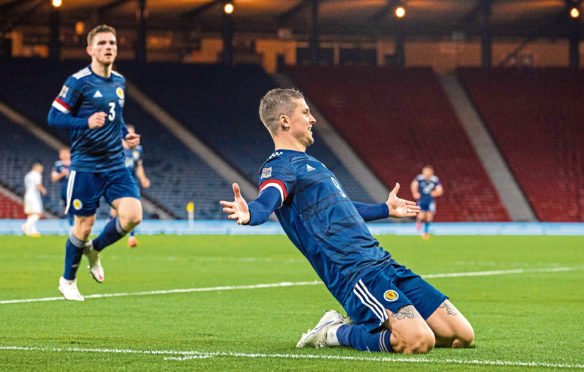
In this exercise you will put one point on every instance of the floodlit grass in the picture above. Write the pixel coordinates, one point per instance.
(525, 317)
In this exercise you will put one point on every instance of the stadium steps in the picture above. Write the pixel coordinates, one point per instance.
(398, 120)
(221, 110)
(507, 188)
(535, 117)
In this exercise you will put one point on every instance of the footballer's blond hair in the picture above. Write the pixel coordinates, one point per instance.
(275, 103)
(99, 29)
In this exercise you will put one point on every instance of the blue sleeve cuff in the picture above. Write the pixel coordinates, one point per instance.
(371, 212)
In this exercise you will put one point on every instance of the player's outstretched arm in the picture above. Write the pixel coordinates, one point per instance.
(399, 207)
(237, 209)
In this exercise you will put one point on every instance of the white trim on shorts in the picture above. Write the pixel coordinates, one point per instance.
(70, 190)
(370, 301)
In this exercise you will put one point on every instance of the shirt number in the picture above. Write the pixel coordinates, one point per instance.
(112, 111)
(336, 183)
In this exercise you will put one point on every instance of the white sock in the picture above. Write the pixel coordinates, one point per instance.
(331, 336)
(30, 223)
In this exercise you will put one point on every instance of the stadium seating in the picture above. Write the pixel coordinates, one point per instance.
(535, 117)
(10, 208)
(174, 171)
(18, 152)
(219, 105)
(398, 120)
(220, 108)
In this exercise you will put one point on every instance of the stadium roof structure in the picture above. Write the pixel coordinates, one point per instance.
(369, 18)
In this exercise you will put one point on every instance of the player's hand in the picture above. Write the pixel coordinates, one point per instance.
(65, 172)
(237, 209)
(132, 140)
(399, 207)
(145, 182)
(416, 195)
(96, 120)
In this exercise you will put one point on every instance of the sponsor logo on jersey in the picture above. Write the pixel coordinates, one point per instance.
(267, 172)
(64, 91)
(120, 92)
(309, 168)
(97, 94)
(391, 295)
(77, 204)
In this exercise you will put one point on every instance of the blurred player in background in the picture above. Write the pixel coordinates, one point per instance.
(390, 307)
(133, 161)
(33, 205)
(60, 173)
(90, 104)
(425, 187)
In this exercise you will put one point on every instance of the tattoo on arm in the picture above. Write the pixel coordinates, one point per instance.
(406, 312)
(450, 309)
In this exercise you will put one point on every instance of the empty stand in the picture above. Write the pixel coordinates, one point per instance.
(398, 120)
(10, 208)
(535, 117)
(18, 152)
(219, 105)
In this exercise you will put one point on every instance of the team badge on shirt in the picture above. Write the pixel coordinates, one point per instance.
(267, 172)
(77, 204)
(120, 92)
(391, 295)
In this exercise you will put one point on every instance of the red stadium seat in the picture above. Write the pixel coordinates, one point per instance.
(535, 117)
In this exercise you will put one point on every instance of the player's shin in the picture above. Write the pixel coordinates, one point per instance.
(112, 232)
(73, 253)
(358, 337)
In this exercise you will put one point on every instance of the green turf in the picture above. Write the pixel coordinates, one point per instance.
(532, 317)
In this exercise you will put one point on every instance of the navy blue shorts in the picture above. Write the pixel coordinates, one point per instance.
(390, 288)
(427, 206)
(86, 188)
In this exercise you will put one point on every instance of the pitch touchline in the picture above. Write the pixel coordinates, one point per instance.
(291, 284)
(189, 355)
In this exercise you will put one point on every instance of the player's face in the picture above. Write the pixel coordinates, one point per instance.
(65, 155)
(104, 48)
(301, 122)
(427, 173)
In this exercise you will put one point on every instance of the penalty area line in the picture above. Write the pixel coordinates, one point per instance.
(292, 284)
(177, 355)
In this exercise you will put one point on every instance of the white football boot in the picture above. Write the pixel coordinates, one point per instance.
(317, 336)
(69, 289)
(95, 268)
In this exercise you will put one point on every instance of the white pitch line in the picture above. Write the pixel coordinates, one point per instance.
(189, 355)
(292, 284)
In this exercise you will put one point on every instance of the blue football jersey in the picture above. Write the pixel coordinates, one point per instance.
(58, 167)
(425, 187)
(321, 220)
(132, 157)
(83, 94)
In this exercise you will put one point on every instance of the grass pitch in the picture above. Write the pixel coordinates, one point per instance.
(523, 296)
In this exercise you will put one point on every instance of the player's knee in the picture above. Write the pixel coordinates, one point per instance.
(464, 338)
(421, 345)
(416, 343)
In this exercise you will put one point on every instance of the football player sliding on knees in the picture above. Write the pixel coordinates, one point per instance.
(389, 308)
